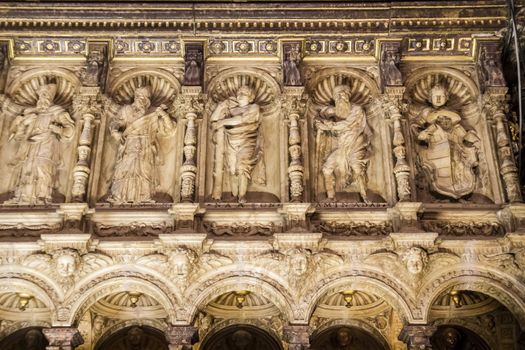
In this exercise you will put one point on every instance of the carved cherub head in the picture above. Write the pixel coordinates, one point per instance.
(451, 338)
(181, 260)
(415, 260)
(297, 262)
(67, 262)
(343, 337)
(438, 95)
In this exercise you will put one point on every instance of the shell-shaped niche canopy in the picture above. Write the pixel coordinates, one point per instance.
(164, 86)
(226, 84)
(322, 84)
(23, 90)
(462, 91)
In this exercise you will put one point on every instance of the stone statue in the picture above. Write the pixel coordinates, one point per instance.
(344, 130)
(192, 70)
(242, 340)
(34, 340)
(135, 129)
(451, 338)
(95, 65)
(491, 70)
(343, 339)
(292, 76)
(238, 140)
(448, 153)
(415, 260)
(135, 339)
(38, 132)
(389, 68)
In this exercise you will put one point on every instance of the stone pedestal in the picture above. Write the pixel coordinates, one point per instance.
(63, 338)
(181, 337)
(297, 337)
(417, 337)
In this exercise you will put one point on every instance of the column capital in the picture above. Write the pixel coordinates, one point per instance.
(62, 338)
(297, 336)
(417, 337)
(181, 337)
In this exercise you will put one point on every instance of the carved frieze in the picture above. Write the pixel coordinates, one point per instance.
(242, 229)
(51, 46)
(354, 229)
(464, 228)
(242, 46)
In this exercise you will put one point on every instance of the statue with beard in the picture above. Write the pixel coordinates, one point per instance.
(38, 132)
(343, 130)
(135, 130)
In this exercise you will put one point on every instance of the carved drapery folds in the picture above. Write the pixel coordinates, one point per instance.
(346, 129)
(141, 131)
(39, 129)
(240, 111)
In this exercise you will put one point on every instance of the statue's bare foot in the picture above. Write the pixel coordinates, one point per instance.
(242, 200)
(365, 199)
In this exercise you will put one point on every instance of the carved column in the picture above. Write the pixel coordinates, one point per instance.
(63, 338)
(293, 107)
(297, 337)
(86, 106)
(181, 337)
(401, 167)
(417, 337)
(189, 105)
(495, 106)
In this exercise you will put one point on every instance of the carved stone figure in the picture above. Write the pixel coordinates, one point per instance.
(238, 139)
(34, 340)
(95, 64)
(181, 261)
(344, 339)
(135, 339)
(193, 67)
(38, 132)
(491, 70)
(242, 340)
(66, 262)
(389, 67)
(292, 76)
(451, 338)
(448, 153)
(346, 127)
(99, 322)
(415, 260)
(136, 129)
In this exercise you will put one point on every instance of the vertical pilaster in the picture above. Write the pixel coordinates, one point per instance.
(62, 338)
(181, 337)
(297, 337)
(417, 337)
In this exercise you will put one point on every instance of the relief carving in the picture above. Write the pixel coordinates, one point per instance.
(242, 229)
(292, 59)
(344, 134)
(38, 132)
(349, 229)
(239, 144)
(448, 153)
(135, 228)
(464, 228)
(135, 128)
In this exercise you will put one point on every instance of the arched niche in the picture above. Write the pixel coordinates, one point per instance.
(148, 142)
(30, 338)
(368, 151)
(240, 337)
(134, 337)
(482, 185)
(449, 337)
(37, 145)
(345, 337)
(256, 153)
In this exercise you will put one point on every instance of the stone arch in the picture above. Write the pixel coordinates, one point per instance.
(155, 324)
(505, 289)
(152, 337)
(90, 294)
(226, 83)
(164, 85)
(217, 285)
(362, 86)
(24, 87)
(38, 288)
(351, 323)
(229, 326)
(392, 292)
(478, 330)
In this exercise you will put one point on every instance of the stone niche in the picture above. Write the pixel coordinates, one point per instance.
(38, 135)
(140, 155)
(349, 150)
(451, 140)
(243, 149)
